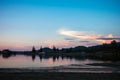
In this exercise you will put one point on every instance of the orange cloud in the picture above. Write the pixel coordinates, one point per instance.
(110, 36)
(89, 36)
(79, 34)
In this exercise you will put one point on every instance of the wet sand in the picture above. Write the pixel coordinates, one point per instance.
(70, 72)
(58, 76)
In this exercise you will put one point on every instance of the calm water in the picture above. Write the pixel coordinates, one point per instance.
(20, 63)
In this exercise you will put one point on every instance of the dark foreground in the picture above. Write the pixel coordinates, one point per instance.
(58, 76)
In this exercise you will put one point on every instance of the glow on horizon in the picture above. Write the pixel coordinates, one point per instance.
(60, 23)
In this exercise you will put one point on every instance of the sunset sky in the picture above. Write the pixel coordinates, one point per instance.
(63, 23)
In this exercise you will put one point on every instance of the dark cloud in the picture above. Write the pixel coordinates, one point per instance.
(109, 38)
(70, 39)
(84, 41)
(80, 35)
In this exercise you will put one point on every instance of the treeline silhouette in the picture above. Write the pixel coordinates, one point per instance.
(104, 52)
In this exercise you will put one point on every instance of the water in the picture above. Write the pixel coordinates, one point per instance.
(22, 61)
(53, 64)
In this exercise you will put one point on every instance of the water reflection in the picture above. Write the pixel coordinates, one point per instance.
(45, 62)
(38, 60)
(33, 60)
(41, 56)
(19, 61)
(33, 57)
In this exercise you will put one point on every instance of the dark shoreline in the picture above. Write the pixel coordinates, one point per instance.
(58, 76)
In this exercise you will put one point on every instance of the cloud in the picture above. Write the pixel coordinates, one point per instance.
(69, 39)
(68, 33)
(87, 37)
(79, 34)
(84, 41)
(109, 38)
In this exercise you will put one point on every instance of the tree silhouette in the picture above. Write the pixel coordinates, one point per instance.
(54, 49)
(6, 53)
(113, 43)
(33, 53)
(33, 49)
(41, 50)
(115, 49)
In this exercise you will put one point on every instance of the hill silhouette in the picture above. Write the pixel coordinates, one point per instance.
(105, 52)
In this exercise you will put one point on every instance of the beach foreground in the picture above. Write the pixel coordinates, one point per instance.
(58, 76)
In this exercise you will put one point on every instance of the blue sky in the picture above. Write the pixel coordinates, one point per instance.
(26, 23)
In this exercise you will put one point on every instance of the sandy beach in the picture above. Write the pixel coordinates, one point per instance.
(69, 72)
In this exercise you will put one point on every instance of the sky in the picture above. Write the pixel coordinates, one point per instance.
(62, 23)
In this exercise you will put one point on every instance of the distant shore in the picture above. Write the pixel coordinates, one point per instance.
(105, 52)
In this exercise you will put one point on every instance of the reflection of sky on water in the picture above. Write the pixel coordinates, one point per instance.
(22, 62)
(25, 61)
